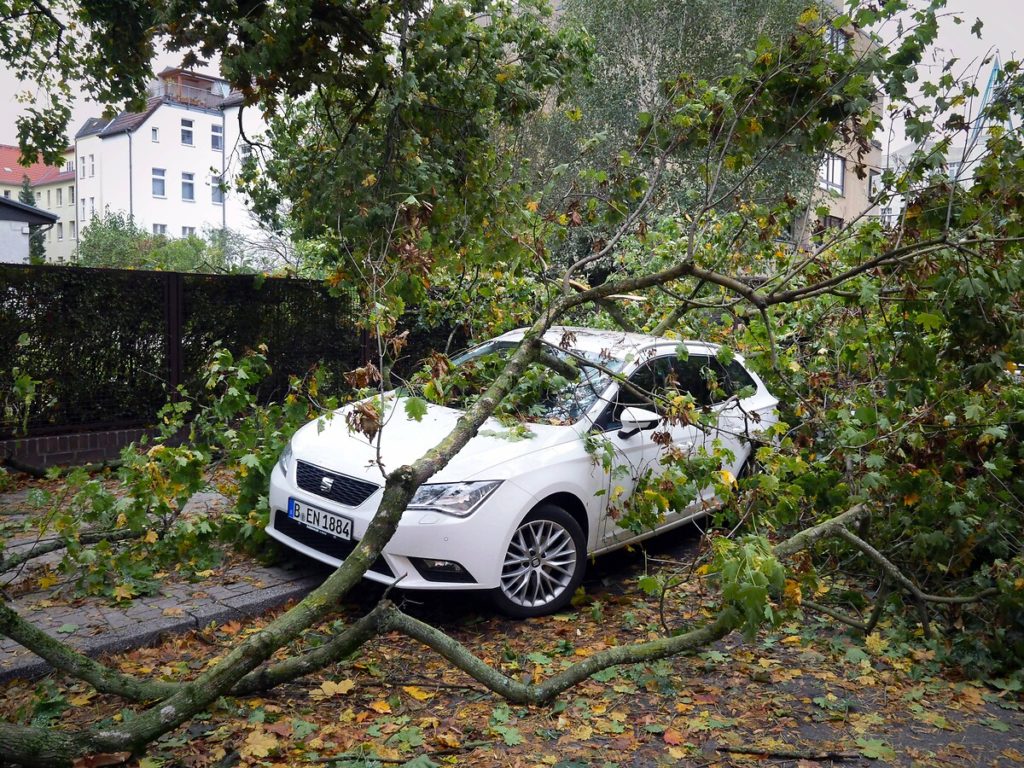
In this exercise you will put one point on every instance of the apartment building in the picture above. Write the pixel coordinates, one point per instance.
(54, 190)
(170, 166)
(848, 182)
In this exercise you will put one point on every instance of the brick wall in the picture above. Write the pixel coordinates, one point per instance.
(75, 449)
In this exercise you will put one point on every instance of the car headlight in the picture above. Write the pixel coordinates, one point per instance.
(285, 460)
(458, 499)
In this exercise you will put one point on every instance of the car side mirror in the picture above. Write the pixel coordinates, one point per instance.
(635, 420)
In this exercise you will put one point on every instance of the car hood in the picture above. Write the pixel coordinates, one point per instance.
(492, 455)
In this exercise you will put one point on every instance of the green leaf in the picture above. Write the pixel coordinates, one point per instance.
(930, 320)
(995, 724)
(67, 629)
(509, 734)
(650, 585)
(876, 749)
(415, 408)
(249, 460)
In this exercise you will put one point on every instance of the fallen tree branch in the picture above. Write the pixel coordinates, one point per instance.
(55, 544)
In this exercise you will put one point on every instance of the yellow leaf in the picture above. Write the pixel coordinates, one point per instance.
(381, 707)
(47, 580)
(793, 593)
(205, 574)
(449, 740)
(728, 478)
(875, 644)
(258, 743)
(532, 206)
(583, 733)
(417, 693)
(330, 688)
(809, 16)
(677, 753)
(82, 699)
(174, 612)
(124, 592)
(370, 180)
(151, 537)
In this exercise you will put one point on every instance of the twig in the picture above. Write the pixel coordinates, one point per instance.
(366, 754)
(789, 754)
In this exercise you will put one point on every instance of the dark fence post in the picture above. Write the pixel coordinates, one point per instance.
(174, 312)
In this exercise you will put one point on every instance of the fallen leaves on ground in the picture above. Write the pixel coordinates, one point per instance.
(805, 687)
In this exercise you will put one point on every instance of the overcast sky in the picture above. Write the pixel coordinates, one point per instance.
(1002, 24)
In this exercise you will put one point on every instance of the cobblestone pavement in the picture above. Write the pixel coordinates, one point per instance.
(97, 625)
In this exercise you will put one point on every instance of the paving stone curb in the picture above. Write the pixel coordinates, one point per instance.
(143, 633)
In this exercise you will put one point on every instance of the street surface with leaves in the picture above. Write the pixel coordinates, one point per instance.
(802, 694)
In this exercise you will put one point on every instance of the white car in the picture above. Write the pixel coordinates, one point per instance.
(511, 513)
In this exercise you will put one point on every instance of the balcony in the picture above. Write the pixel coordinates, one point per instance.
(179, 93)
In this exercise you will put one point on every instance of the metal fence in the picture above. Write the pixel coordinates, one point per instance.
(109, 345)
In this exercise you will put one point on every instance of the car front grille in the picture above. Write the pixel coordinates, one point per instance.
(340, 488)
(321, 542)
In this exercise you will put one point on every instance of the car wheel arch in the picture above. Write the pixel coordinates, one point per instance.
(571, 504)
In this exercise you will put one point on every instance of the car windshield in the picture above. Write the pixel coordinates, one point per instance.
(543, 394)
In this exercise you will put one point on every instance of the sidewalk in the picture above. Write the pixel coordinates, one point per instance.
(96, 625)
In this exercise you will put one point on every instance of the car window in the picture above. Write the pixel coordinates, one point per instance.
(708, 380)
(702, 376)
(556, 401)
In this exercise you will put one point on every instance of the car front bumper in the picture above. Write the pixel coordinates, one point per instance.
(477, 542)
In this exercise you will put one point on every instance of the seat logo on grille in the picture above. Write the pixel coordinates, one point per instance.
(326, 483)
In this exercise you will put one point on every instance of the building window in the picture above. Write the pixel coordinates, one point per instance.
(217, 189)
(39, 198)
(60, 196)
(832, 173)
(159, 185)
(188, 231)
(69, 166)
(71, 195)
(836, 39)
(92, 207)
(155, 134)
(83, 208)
(92, 165)
(186, 132)
(829, 222)
(81, 167)
(874, 185)
(74, 230)
(217, 137)
(60, 230)
(7, 194)
(188, 186)
(48, 205)
(159, 229)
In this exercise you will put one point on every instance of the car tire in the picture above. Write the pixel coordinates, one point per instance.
(751, 466)
(544, 564)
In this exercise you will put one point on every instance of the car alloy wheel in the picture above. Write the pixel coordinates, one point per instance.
(543, 565)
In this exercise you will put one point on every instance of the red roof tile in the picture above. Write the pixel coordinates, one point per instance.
(12, 173)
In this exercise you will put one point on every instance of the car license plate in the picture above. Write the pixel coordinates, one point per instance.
(320, 519)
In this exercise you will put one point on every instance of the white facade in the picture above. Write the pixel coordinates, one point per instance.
(168, 167)
(57, 193)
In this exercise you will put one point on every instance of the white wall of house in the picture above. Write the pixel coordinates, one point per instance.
(166, 172)
(13, 242)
